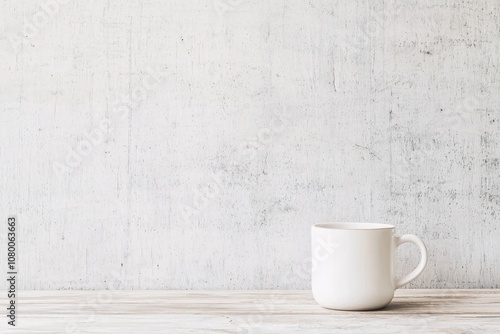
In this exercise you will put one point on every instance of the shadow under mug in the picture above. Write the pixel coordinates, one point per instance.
(353, 264)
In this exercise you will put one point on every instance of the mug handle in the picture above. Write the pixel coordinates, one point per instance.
(423, 258)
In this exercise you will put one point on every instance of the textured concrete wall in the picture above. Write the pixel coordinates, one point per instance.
(190, 144)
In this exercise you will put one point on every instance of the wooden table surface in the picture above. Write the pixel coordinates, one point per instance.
(411, 311)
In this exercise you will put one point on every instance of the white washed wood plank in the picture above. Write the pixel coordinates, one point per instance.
(412, 311)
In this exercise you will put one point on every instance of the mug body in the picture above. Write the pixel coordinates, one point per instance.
(352, 265)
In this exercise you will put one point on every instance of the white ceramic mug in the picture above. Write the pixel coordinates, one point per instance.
(353, 264)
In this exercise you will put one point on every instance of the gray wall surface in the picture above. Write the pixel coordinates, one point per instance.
(191, 144)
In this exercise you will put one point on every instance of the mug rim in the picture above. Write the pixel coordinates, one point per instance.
(352, 226)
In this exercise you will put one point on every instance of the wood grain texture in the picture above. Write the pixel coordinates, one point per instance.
(392, 116)
(411, 311)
